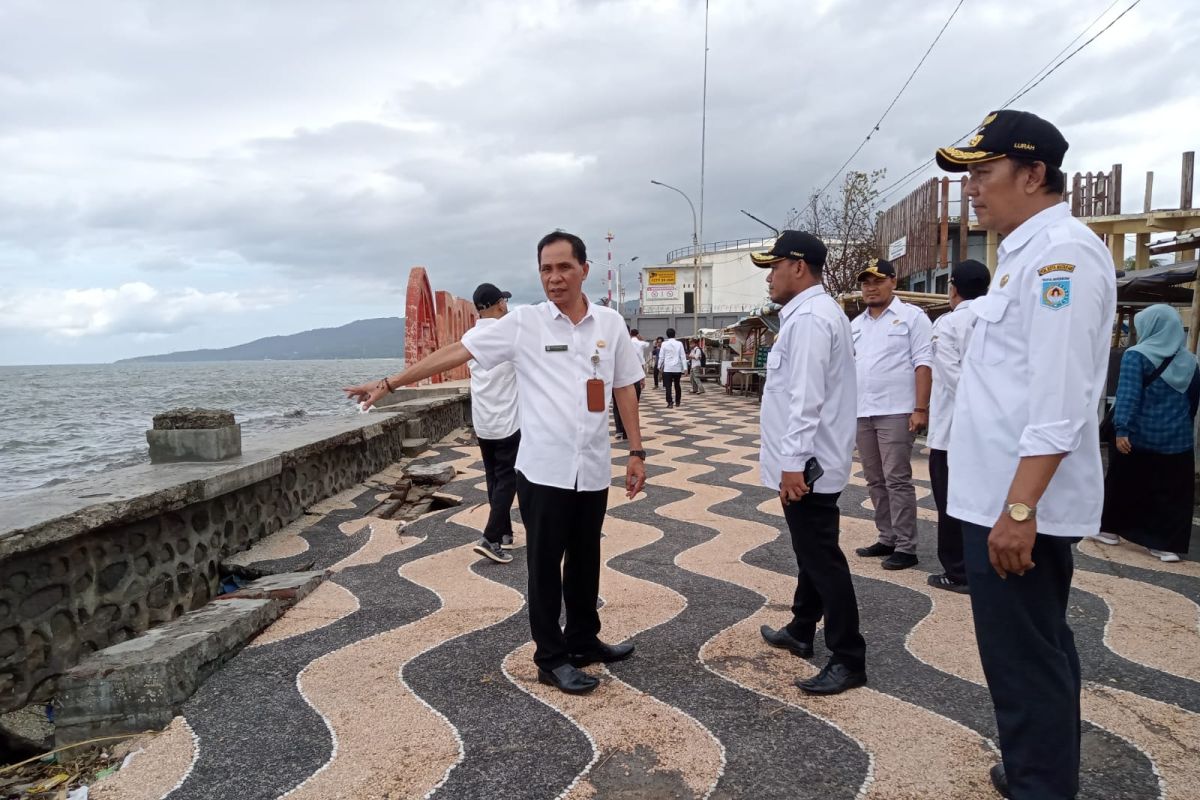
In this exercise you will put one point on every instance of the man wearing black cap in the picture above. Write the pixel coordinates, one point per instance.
(1025, 471)
(807, 440)
(571, 356)
(951, 333)
(893, 356)
(498, 429)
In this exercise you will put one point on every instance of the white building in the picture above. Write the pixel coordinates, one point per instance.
(729, 281)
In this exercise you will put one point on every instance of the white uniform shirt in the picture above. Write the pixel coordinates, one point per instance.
(562, 443)
(1034, 374)
(493, 396)
(642, 348)
(887, 351)
(808, 406)
(671, 357)
(951, 335)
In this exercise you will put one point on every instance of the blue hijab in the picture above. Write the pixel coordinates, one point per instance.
(1160, 334)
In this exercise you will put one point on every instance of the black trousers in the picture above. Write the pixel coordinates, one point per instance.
(562, 546)
(657, 374)
(1032, 667)
(950, 533)
(823, 585)
(672, 379)
(500, 471)
(617, 412)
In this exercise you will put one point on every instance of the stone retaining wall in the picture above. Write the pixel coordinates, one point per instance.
(94, 562)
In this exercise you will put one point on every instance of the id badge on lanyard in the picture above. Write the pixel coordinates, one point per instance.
(595, 388)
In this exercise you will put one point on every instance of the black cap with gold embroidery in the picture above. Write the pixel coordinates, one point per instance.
(1007, 133)
(877, 268)
(792, 244)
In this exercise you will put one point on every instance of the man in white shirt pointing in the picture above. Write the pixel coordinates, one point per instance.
(807, 439)
(1025, 471)
(951, 335)
(569, 355)
(497, 427)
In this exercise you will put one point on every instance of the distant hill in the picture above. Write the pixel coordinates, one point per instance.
(366, 338)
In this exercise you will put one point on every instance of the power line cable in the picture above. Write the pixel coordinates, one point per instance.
(1066, 47)
(1026, 90)
(875, 127)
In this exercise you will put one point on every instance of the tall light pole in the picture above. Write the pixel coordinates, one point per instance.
(695, 255)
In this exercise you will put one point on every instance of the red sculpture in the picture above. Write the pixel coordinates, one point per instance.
(429, 325)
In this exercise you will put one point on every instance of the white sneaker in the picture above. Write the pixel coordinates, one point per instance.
(1107, 538)
(1163, 555)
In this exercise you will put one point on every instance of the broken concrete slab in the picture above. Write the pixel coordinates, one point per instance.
(288, 588)
(414, 447)
(142, 683)
(429, 474)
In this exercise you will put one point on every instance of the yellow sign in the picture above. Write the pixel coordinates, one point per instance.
(662, 277)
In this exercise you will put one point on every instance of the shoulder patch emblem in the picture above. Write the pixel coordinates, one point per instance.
(1004, 280)
(1056, 293)
(1056, 268)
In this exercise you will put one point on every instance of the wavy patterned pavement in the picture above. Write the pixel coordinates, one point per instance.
(408, 673)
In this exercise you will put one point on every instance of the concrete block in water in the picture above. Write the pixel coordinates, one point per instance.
(140, 684)
(204, 444)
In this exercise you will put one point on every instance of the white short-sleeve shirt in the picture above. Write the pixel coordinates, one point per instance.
(951, 335)
(887, 351)
(1034, 374)
(563, 444)
(809, 399)
(494, 412)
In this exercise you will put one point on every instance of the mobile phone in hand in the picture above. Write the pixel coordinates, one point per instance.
(812, 472)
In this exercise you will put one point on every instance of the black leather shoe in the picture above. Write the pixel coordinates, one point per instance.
(603, 654)
(900, 561)
(834, 679)
(875, 551)
(785, 641)
(1000, 780)
(568, 679)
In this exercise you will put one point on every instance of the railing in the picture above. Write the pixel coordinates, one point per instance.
(718, 247)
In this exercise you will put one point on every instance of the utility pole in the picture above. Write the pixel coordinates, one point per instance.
(610, 270)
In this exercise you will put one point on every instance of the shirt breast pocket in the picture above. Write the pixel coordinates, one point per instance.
(987, 341)
(774, 381)
(897, 338)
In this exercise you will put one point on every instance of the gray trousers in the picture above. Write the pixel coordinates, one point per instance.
(885, 447)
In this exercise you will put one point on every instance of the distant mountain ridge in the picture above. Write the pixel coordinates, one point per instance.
(365, 338)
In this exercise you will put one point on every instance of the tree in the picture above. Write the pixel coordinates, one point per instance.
(846, 222)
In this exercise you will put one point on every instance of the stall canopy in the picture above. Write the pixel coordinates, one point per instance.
(1156, 285)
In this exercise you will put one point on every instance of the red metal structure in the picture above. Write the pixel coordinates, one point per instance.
(431, 323)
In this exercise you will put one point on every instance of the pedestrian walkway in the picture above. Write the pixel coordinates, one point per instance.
(409, 674)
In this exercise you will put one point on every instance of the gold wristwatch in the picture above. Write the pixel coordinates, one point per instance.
(1020, 512)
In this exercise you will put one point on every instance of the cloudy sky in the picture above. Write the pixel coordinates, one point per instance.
(199, 174)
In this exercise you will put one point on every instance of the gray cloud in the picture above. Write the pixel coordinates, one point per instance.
(310, 145)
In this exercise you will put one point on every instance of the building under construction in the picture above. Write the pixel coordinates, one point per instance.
(932, 229)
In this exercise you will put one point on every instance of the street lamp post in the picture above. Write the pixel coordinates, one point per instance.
(695, 256)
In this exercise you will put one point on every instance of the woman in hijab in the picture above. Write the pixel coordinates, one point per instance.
(1150, 486)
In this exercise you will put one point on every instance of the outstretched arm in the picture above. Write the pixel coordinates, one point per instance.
(448, 357)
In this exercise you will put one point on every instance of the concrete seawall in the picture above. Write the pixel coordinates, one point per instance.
(94, 562)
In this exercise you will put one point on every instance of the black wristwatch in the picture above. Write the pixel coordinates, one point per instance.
(639, 453)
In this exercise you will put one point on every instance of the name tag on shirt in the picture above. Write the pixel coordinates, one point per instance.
(556, 348)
